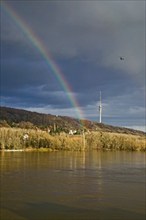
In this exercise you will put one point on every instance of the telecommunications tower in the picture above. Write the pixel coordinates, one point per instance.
(100, 109)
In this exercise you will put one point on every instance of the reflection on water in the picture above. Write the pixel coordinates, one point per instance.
(72, 185)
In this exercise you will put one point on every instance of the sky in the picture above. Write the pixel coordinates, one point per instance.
(84, 41)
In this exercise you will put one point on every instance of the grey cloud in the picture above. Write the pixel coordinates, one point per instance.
(86, 39)
(87, 29)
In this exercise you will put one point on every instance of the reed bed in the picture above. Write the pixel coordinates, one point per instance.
(29, 139)
(116, 141)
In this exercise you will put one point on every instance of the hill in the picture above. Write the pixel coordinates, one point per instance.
(10, 117)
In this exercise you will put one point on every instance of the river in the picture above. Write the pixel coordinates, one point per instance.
(72, 185)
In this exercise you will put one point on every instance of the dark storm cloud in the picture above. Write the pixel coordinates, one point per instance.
(86, 40)
(19, 73)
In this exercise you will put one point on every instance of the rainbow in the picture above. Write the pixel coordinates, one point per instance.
(46, 56)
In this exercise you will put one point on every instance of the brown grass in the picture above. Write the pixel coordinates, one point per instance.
(13, 138)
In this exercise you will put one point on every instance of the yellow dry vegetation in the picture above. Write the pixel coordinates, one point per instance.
(16, 138)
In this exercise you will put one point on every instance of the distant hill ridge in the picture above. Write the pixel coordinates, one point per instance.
(23, 118)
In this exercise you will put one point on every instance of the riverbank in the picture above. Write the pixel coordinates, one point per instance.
(16, 139)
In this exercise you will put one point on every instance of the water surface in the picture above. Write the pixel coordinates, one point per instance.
(72, 185)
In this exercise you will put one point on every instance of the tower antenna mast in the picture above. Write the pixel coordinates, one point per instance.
(100, 110)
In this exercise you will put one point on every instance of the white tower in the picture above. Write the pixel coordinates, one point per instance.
(100, 109)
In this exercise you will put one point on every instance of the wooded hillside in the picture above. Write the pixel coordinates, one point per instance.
(10, 117)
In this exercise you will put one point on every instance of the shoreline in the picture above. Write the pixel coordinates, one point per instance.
(71, 150)
(13, 150)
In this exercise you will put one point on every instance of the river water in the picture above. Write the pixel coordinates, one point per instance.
(72, 185)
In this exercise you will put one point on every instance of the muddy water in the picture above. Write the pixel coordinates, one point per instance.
(72, 185)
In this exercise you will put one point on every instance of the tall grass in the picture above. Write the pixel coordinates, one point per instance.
(115, 141)
(13, 138)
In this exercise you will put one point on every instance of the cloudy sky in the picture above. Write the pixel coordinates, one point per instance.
(85, 40)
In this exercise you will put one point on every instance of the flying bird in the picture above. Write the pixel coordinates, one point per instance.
(121, 58)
